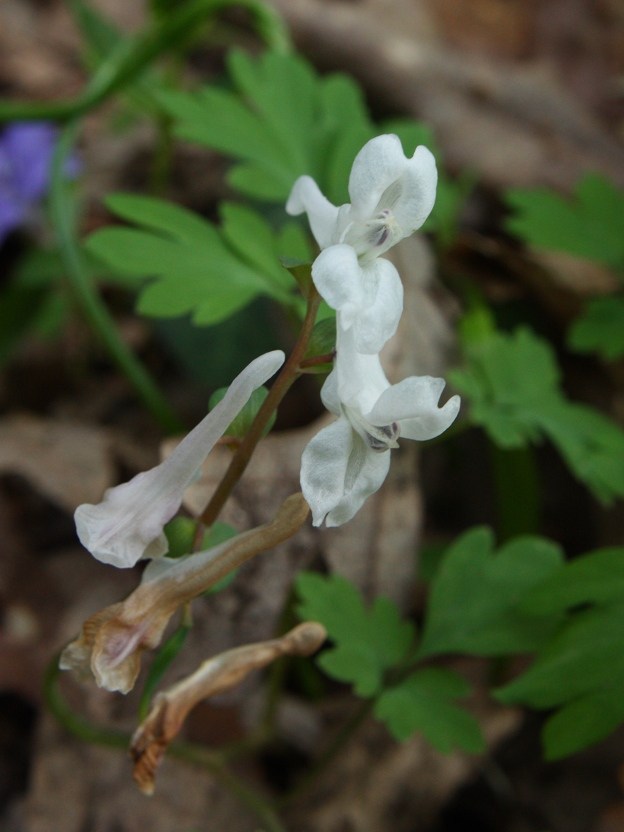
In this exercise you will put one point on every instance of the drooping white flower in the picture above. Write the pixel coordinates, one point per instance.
(391, 196)
(348, 461)
(128, 524)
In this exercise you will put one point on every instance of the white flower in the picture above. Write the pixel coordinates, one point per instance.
(128, 524)
(348, 461)
(391, 196)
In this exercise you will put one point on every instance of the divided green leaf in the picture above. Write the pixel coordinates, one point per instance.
(580, 669)
(368, 641)
(513, 385)
(475, 597)
(597, 577)
(196, 267)
(425, 702)
(600, 328)
(281, 120)
(590, 225)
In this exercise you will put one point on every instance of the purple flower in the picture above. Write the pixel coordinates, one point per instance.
(26, 150)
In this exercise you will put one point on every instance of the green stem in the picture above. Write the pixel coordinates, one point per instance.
(289, 373)
(86, 295)
(73, 722)
(132, 56)
(188, 752)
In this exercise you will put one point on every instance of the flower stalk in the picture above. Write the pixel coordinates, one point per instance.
(288, 375)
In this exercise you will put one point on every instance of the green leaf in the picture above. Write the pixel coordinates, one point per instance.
(322, 342)
(600, 328)
(595, 577)
(508, 379)
(512, 383)
(282, 120)
(161, 215)
(583, 722)
(367, 641)
(591, 444)
(474, 602)
(196, 268)
(283, 90)
(253, 241)
(591, 225)
(424, 702)
(240, 425)
(582, 670)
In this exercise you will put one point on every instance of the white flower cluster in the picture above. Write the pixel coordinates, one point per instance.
(391, 196)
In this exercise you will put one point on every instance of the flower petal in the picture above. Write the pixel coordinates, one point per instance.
(417, 191)
(360, 379)
(378, 164)
(128, 523)
(338, 277)
(366, 471)
(29, 146)
(324, 466)
(414, 403)
(430, 425)
(306, 197)
(329, 393)
(379, 316)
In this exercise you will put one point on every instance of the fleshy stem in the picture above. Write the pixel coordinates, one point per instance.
(189, 752)
(128, 60)
(289, 373)
(95, 311)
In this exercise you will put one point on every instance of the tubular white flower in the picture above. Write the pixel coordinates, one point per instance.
(391, 196)
(348, 461)
(128, 524)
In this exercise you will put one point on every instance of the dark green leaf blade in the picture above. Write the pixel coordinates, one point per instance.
(474, 604)
(424, 702)
(367, 641)
(591, 225)
(600, 328)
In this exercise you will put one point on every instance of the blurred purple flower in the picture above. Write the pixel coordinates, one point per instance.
(26, 150)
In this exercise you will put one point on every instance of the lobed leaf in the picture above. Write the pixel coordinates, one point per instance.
(512, 383)
(581, 670)
(590, 225)
(367, 641)
(282, 120)
(476, 593)
(424, 702)
(600, 328)
(597, 577)
(196, 268)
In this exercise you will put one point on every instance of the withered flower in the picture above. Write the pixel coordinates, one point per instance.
(171, 707)
(111, 642)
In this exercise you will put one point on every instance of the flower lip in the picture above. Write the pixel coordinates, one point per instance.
(379, 438)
